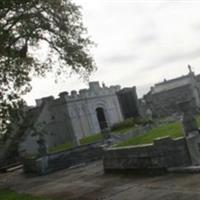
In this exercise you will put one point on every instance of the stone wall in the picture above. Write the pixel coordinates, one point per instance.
(198, 78)
(164, 153)
(82, 108)
(62, 160)
(128, 102)
(163, 97)
(70, 117)
(166, 103)
(53, 122)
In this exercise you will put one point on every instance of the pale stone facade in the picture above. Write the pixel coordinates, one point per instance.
(71, 117)
(83, 108)
(164, 97)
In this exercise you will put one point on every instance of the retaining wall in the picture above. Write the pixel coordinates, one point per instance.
(62, 160)
(159, 156)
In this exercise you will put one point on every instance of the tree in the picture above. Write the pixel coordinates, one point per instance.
(25, 27)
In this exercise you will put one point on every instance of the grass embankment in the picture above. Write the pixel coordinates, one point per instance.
(6, 194)
(172, 130)
(61, 147)
(91, 138)
(85, 140)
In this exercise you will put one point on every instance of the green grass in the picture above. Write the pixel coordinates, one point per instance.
(61, 147)
(6, 194)
(173, 130)
(91, 138)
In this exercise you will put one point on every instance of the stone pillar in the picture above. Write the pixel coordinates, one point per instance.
(42, 150)
(191, 130)
(42, 161)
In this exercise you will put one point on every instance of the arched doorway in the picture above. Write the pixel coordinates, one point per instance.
(101, 118)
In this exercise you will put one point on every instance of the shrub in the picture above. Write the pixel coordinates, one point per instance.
(131, 122)
(123, 125)
(143, 121)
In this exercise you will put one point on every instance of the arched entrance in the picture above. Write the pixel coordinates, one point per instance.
(101, 118)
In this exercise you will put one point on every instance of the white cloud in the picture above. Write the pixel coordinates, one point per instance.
(139, 43)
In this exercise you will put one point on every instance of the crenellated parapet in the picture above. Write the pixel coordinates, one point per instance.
(44, 100)
(94, 90)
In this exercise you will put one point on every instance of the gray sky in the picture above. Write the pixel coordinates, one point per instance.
(139, 42)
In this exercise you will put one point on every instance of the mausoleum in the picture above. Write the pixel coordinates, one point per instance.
(72, 116)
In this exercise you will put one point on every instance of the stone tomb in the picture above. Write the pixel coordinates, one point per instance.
(152, 158)
(164, 153)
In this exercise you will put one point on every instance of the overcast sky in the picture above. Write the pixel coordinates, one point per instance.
(139, 42)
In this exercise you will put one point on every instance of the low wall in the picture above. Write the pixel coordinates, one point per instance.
(159, 156)
(64, 159)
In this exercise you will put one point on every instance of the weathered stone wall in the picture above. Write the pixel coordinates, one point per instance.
(54, 122)
(198, 78)
(62, 160)
(128, 102)
(164, 153)
(163, 97)
(165, 103)
(198, 81)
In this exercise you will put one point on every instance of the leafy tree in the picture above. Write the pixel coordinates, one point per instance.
(26, 26)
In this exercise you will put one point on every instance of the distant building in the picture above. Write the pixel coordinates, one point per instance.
(163, 98)
(71, 117)
(89, 111)
(129, 102)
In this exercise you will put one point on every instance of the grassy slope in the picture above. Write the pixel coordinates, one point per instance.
(10, 195)
(60, 147)
(173, 130)
(85, 140)
(91, 138)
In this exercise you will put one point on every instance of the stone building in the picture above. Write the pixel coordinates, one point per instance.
(129, 102)
(71, 117)
(163, 98)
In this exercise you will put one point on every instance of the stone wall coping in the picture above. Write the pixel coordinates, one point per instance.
(178, 138)
(144, 145)
(164, 153)
(129, 147)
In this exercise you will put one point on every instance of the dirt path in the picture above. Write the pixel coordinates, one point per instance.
(90, 183)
